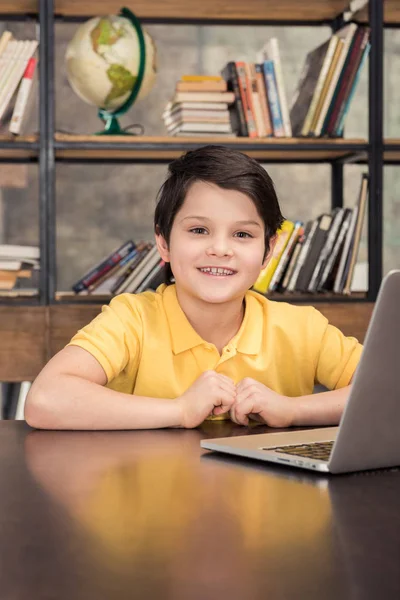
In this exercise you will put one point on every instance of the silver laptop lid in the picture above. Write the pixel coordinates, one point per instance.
(369, 432)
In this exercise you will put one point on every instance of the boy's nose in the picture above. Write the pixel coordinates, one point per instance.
(219, 247)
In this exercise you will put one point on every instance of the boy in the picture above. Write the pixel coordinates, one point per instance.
(206, 346)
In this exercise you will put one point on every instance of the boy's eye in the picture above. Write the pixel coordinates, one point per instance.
(198, 230)
(243, 234)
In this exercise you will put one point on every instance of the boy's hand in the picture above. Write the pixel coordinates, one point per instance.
(256, 401)
(212, 393)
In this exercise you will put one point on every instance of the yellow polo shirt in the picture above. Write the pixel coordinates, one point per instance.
(147, 347)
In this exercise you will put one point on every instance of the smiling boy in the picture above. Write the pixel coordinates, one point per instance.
(206, 346)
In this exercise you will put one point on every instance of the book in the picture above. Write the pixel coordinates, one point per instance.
(201, 78)
(270, 51)
(345, 107)
(121, 276)
(265, 276)
(262, 92)
(21, 101)
(273, 99)
(24, 253)
(362, 202)
(6, 37)
(239, 126)
(316, 244)
(21, 60)
(337, 219)
(194, 127)
(228, 97)
(305, 244)
(255, 99)
(244, 94)
(201, 86)
(327, 278)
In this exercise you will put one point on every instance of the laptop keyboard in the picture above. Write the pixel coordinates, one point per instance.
(318, 450)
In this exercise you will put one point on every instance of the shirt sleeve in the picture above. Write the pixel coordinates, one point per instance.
(113, 337)
(337, 356)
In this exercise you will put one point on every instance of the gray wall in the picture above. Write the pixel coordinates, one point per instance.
(100, 206)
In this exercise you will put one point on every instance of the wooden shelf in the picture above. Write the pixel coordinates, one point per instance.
(392, 150)
(20, 147)
(208, 10)
(146, 148)
(234, 10)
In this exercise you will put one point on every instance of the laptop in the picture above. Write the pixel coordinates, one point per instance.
(368, 436)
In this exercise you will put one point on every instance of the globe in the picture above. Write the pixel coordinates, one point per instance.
(111, 62)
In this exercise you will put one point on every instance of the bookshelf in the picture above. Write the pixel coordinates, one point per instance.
(49, 320)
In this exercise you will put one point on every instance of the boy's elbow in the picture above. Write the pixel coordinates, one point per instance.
(37, 412)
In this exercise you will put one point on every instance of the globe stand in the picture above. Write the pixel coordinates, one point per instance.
(112, 126)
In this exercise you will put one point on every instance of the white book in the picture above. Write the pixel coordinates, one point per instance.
(6, 58)
(346, 34)
(7, 93)
(19, 252)
(10, 265)
(23, 94)
(5, 38)
(271, 52)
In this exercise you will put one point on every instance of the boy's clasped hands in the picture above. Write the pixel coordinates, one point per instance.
(214, 394)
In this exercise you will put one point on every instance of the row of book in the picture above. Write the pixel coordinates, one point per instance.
(17, 69)
(317, 256)
(260, 108)
(19, 267)
(328, 81)
(131, 268)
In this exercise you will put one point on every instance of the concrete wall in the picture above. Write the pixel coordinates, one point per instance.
(100, 206)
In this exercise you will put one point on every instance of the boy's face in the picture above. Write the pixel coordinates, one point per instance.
(215, 229)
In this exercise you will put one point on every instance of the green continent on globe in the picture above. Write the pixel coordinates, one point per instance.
(122, 81)
(105, 34)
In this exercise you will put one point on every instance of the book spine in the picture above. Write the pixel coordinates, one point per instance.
(273, 99)
(102, 268)
(255, 100)
(251, 126)
(231, 76)
(262, 91)
(344, 78)
(345, 108)
(22, 97)
(280, 86)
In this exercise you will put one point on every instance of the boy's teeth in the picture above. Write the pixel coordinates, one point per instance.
(217, 271)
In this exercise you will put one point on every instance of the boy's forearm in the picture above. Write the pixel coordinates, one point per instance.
(325, 408)
(75, 403)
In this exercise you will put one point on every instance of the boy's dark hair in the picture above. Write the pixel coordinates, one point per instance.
(229, 169)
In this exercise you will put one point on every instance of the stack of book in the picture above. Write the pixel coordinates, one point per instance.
(199, 107)
(130, 268)
(19, 268)
(328, 82)
(260, 108)
(317, 256)
(17, 68)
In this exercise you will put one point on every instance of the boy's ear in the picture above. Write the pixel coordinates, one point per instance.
(162, 247)
(272, 244)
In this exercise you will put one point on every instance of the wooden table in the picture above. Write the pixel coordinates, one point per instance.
(148, 514)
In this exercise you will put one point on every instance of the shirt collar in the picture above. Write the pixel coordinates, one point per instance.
(183, 337)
